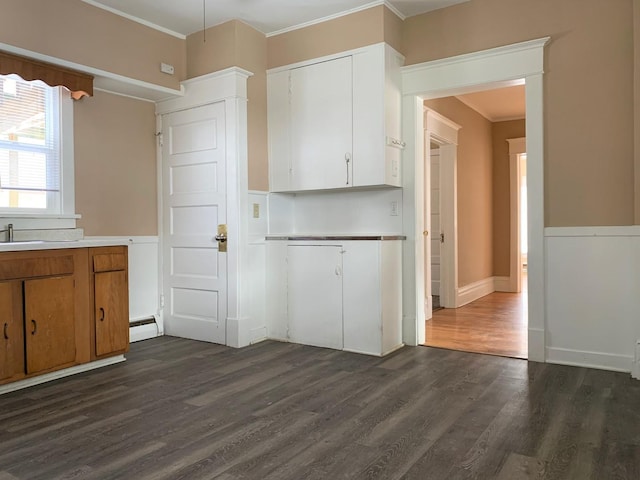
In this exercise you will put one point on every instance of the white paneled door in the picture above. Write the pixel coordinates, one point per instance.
(194, 204)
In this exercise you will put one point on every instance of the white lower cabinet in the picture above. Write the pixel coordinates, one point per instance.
(314, 297)
(345, 295)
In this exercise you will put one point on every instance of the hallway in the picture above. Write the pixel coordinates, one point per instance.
(495, 324)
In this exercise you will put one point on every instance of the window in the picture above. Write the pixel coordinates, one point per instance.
(30, 147)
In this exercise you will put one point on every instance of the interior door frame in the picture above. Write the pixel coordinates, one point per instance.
(517, 146)
(444, 132)
(487, 69)
(228, 86)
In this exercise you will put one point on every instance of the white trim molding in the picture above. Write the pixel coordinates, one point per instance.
(517, 146)
(466, 73)
(473, 291)
(65, 372)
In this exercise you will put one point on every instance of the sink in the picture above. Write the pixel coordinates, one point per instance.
(24, 242)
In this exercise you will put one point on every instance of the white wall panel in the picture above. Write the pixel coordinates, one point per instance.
(592, 293)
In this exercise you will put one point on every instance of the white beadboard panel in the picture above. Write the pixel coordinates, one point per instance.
(276, 291)
(258, 226)
(256, 283)
(593, 298)
(280, 215)
(347, 212)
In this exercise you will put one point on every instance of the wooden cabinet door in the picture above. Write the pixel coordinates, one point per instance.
(49, 323)
(111, 312)
(11, 331)
(315, 295)
(321, 125)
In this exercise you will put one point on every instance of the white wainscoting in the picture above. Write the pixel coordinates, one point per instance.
(593, 296)
(144, 299)
(257, 264)
(337, 212)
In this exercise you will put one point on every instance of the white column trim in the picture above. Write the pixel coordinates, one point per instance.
(517, 146)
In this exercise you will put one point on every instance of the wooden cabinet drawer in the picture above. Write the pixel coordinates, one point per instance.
(45, 266)
(109, 262)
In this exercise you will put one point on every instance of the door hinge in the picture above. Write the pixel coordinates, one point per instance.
(442, 238)
(161, 301)
(160, 138)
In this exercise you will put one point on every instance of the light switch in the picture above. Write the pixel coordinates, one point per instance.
(256, 210)
(394, 208)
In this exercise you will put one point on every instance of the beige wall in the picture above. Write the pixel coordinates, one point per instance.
(75, 31)
(230, 44)
(344, 33)
(589, 166)
(500, 132)
(475, 185)
(115, 165)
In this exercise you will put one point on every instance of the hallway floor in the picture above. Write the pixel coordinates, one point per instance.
(495, 324)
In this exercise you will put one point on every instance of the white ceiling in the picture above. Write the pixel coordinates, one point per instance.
(184, 17)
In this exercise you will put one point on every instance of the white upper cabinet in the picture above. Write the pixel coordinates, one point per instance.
(335, 122)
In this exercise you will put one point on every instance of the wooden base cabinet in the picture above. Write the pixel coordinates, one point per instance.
(60, 308)
(50, 323)
(12, 335)
(110, 306)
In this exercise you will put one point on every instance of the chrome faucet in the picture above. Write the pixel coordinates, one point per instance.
(9, 231)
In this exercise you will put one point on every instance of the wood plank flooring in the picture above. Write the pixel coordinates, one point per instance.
(495, 324)
(180, 409)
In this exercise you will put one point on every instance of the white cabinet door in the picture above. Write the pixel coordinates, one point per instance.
(278, 118)
(321, 119)
(315, 295)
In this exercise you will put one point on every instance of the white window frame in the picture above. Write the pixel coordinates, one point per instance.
(65, 217)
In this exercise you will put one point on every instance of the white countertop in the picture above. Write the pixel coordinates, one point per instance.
(54, 245)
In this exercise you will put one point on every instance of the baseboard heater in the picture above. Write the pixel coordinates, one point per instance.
(142, 321)
(143, 329)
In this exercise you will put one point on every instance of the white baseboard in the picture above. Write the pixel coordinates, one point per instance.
(535, 344)
(258, 334)
(502, 284)
(474, 291)
(66, 372)
(577, 358)
(143, 332)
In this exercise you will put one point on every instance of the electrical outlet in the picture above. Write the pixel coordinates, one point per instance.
(256, 210)
(166, 68)
(394, 208)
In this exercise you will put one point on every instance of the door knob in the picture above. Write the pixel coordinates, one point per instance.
(221, 238)
(425, 233)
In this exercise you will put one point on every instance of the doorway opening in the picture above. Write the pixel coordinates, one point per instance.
(475, 222)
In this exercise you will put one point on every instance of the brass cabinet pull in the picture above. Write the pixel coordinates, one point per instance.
(35, 327)
(6, 335)
(101, 314)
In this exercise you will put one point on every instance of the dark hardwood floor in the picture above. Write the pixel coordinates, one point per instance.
(180, 409)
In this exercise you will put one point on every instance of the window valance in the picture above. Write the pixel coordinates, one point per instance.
(80, 84)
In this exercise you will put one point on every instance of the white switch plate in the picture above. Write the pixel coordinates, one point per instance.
(394, 208)
(166, 68)
(256, 210)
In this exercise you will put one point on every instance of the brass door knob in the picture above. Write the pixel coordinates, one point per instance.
(425, 233)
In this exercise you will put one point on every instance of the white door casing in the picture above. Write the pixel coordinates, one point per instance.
(488, 69)
(444, 132)
(517, 146)
(228, 88)
(194, 204)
